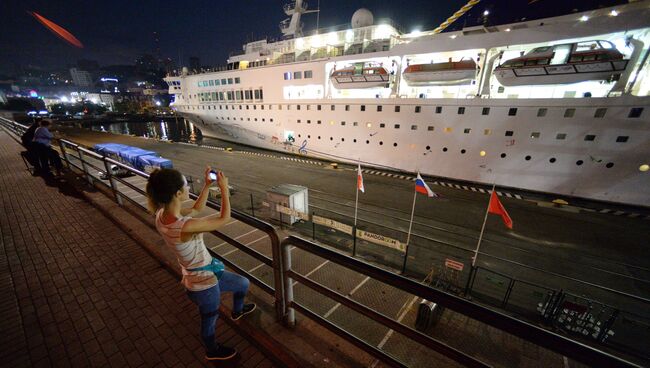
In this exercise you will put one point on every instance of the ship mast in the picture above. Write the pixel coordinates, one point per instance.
(292, 27)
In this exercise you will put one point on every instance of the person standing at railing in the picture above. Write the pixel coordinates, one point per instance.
(43, 146)
(203, 276)
(28, 142)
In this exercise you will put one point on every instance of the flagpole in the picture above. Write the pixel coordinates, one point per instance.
(408, 236)
(480, 237)
(356, 201)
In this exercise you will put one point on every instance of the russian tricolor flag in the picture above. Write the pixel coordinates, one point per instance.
(422, 187)
(360, 180)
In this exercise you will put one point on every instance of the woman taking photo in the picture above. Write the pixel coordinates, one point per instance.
(203, 276)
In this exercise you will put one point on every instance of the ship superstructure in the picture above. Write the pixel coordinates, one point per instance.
(558, 105)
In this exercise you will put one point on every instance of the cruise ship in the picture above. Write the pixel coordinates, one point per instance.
(558, 105)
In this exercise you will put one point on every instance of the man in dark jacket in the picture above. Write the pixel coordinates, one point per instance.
(27, 139)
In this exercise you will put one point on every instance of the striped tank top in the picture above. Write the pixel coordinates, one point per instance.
(190, 254)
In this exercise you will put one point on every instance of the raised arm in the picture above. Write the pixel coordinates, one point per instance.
(212, 222)
(199, 204)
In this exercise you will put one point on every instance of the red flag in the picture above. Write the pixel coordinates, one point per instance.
(497, 208)
(360, 180)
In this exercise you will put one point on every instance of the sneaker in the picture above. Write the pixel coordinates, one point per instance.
(221, 353)
(248, 308)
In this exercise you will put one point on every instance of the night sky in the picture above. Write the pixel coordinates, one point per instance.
(118, 31)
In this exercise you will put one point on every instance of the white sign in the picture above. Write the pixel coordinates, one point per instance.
(380, 239)
(333, 224)
(292, 212)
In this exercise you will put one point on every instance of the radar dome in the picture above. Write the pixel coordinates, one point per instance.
(362, 18)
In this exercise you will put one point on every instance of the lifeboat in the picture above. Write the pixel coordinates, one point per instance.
(563, 64)
(360, 75)
(449, 73)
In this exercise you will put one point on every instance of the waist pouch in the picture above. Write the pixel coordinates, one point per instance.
(216, 267)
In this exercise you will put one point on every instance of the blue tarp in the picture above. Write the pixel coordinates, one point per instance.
(110, 148)
(154, 161)
(131, 155)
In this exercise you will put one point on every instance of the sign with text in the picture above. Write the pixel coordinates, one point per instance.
(291, 212)
(332, 224)
(454, 265)
(380, 239)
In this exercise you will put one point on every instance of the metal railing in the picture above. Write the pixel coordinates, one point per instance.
(284, 276)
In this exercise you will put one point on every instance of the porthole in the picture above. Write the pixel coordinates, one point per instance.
(298, 135)
(609, 165)
(428, 147)
(579, 162)
(444, 149)
(394, 144)
(354, 140)
(527, 158)
(463, 151)
(309, 136)
(552, 160)
(381, 143)
(331, 138)
(319, 137)
(503, 155)
(367, 142)
(342, 139)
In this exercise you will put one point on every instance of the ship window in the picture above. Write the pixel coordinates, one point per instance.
(240, 107)
(308, 74)
(579, 162)
(397, 108)
(297, 107)
(298, 121)
(308, 121)
(379, 108)
(332, 107)
(590, 137)
(297, 75)
(288, 107)
(369, 125)
(318, 122)
(535, 135)
(347, 107)
(444, 149)
(271, 120)
(354, 140)
(527, 158)
(501, 89)
(486, 111)
(609, 165)
(622, 138)
(600, 113)
(428, 148)
(635, 112)
(216, 82)
(229, 80)
(342, 139)
(463, 151)
(211, 82)
(319, 137)
(414, 127)
(461, 110)
(430, 128)
(487, 131)
(438, 109)
(395, 144)
(396, 126)
(467, 130)
(568, 113)
(237, 80)
(542, 112)
(382, 125)
(356, 123)
(418, 109)
(363, 107)
(552, 160)
(254, 107)
(279, 107)
(509, 133)
(503, 155)
(512, 111)
(247, 107)
(343, 123)
(367, 142)
(448, 130)
(223, 81)
(331, 138)
(560, 136)
(381, 143)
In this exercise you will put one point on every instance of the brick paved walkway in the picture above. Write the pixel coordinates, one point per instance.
(75, 290)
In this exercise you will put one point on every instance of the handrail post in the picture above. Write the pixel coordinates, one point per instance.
(111, 180)
(84, 167)
(290, 314)
(65, 154)
(278, 272)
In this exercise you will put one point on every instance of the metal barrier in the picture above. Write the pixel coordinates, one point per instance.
(526, 331)
(84, 159)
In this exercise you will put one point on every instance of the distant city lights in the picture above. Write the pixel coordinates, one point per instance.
(33, 93)
(613, 13)
(584, 18)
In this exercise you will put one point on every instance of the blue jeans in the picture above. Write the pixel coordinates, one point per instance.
(208, 301)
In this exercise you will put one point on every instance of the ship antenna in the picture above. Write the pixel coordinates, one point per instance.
(456, 15)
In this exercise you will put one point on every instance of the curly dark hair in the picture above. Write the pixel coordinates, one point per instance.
(162, 186)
